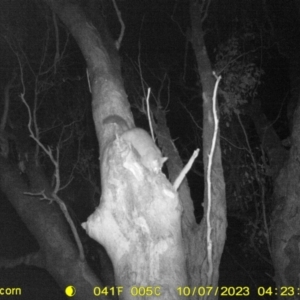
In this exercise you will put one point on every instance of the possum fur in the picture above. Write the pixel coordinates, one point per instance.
(151, 156)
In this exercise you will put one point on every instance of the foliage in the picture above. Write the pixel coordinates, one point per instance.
(240, 74)
(247, 187)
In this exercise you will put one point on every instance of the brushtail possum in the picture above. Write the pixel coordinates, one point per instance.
(151, 157)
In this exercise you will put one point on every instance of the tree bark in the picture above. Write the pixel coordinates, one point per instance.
(269, 140)
(139, 216)
(58, 253)
(284, 170)
(218, 208)
(285, 217)
(108, 94)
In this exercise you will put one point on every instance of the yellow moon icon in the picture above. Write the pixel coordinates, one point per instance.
(70, 291)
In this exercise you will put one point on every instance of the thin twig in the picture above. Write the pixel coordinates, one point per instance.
(119, 41)
(184, 171)
(209, 188)
(148, 113)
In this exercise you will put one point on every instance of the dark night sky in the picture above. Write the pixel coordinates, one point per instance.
(155, 34)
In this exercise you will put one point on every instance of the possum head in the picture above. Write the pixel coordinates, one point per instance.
(151, 156)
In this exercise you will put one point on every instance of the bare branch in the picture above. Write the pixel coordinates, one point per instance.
(6, 102)
(56, 58)
(209, 188)
(32, 259)
(65, 211)
(119, 41)
(185, 170)
(149, 116)
(206, 10)
(88, 80)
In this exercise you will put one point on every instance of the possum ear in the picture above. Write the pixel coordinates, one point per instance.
(163, 160)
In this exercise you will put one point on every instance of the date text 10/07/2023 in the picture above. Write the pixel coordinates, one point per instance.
(223, 291)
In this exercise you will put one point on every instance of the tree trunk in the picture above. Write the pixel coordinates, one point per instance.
(218, 205)
(285, 218)
(284, 169)
(139, 217)
(58, 253)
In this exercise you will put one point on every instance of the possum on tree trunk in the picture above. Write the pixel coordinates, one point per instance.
(151, 157)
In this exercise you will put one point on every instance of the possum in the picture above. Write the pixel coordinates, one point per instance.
(151, 157)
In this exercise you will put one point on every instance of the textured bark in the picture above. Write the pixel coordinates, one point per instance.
(284, 169)
(141, 213)
(139, 217)
(189, 226)
(108, 94)
(269, 140)
(175, 165)
(285, 218)
(218, 208)
(59, 255)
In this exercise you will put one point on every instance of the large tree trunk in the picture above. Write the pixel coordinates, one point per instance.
(284, 169)
(285, 218)
(139, 217)
(218, 205)
(58, 253)
(285, 172)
